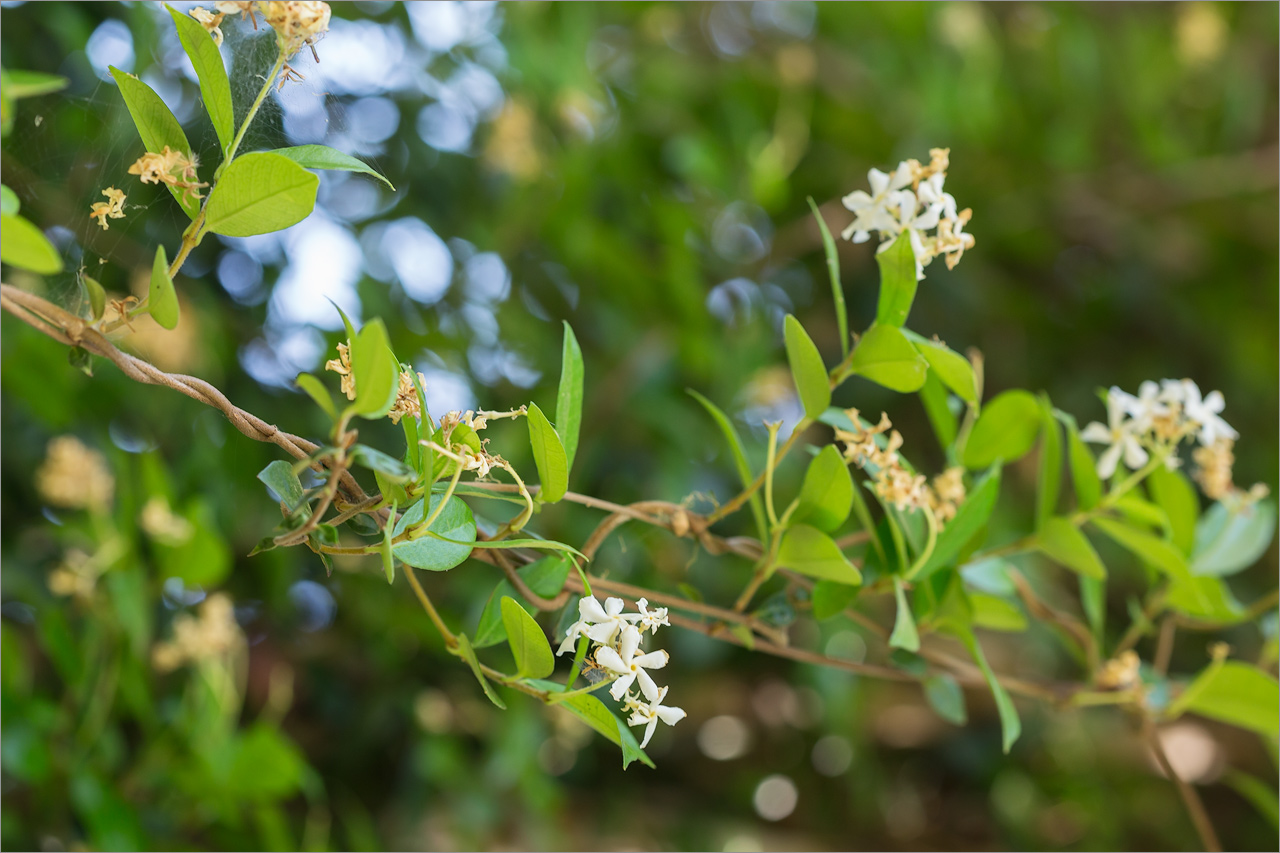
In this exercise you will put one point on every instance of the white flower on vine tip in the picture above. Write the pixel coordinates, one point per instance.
(648, 713)
(1204, 411)
(629, 665)
(872, 209)
(651, 620)
(1152, 402)
(1119, 433)
(600, 623)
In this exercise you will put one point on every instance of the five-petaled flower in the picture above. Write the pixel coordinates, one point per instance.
(629, 664)
(599, 623)
(113, 207)
(1121, 433)
(648, 713)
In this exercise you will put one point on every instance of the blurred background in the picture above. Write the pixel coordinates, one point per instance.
(640, 170)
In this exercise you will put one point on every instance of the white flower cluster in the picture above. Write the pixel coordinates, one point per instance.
(618, 636)
(1158, 418)
(911, 199)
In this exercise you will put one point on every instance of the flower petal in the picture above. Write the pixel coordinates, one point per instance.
(653, 660)
(613, 606)
(621, 685)
(1096, 433)
(630, 643)
(609, 659)
(648, 732)
(670, 715)
(647, 686)
(1106, 466)
(590, 610)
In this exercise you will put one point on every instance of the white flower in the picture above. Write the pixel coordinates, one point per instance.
(873, 209)
(648, 714)
(1204, 411)
(601, 624)
(1148, 405)
(651, 619)
(629, 665)
(1119, 433)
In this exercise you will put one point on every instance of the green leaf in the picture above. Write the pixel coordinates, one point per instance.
(970, 519)
(215, 89)
(946, 698)
(9, 204)
(81, 359)
(162, 299)
(259, 193)
(316, 391)
(157, 127)
(1259, 794)
(97, 296)
(1142, 512)
(904, 634)
(1093, 600)
(569, 396)
(388, 556)
(1157, 552)
(811, 552)
(454, 522)
(1010, 723)
(1064, 543)
(376, 371)
(264, 765)
(1049, 478)
(833, 270)
(1084, 471)
(544, 577)
(897, 281)
(1230, 541)
(996, 614)
(807, 369)
(324, 157)
(1174, 494)
(205, 558)
(468, 654)
(1006, 429)
(548, 456)
(544, 544)
(23, 245)
(830, 598)
(827, 493)
(375, 460)
(20, 84)
(739, 459)
(934, 398)
(595, 714)
(280, 478)
(528, 643)
(951, 367)
(1235, 693)
(886, 357)
(1205, 598)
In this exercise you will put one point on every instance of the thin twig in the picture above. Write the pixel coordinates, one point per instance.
(1190, 798)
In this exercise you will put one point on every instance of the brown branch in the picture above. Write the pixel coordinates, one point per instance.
(1190, 798)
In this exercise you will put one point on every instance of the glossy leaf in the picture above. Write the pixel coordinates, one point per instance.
(468, 654)
(528, 643)
(970, 518)
(811, 552)
(376, 371)
(9, 203)
(1229, 541)
(1174, 494)
(1207, 599)
(259, 193)
(548, 455)
(1235, 693)
(544, 577)
(953, 369)
(388, 555)
(96, 294)
(569, 396)
(826, 495)
(934, 398)
(386, 465)
(280, 478)
(905, 635)
(946, 698)
(162, 299)
(1064, 543)
(215, 88)
(1006, 429)
(886, 357)
(897, 281)
(317, 391)
(454, 522)
(157, 127)
(1010, 722)
(1049, 476)
(1084, 471)
(23, 245)
(595, 714)
(833, 272)
(739, 459)
(807, 369)
(830, 598)
(324, 157)
(1156, 552)
(996, 614)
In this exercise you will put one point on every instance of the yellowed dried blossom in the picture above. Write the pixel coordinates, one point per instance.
(160, 523)
(1213, 471)
(210, 635)
(512, 147)
(952, 241)
(861, 446)
(342, 366)
(1120, 673)
(939, 160)
(407, 402)
(113, 207)
(244, 7)
(78, 575)
(210, 22)
(74, 476)
(169, 167)
(297, 22)
(946, 494)
(901, 488)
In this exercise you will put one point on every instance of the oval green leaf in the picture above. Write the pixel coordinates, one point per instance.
(1064, 543)
(324, 157)
(807, 369)
(569, 395)
(23, 245)
(897, 281)
(316, 391)
(886, 357)
(1228, 541)
(454, 522)
(827, 493)
(970, 518)
(205, 57)
(157, 126)
(259, 193)
(811, 552)
(162, 299)
(1006, 429)
(528, 643)
(951, 367)
(548, 456)
(1173, 493)
(376, 371)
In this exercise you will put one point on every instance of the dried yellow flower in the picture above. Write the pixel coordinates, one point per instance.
(1120, 673)
(946, 494)
(342, 366)
(210, 22)
(1213, 471)
(169, 167)
(113, 207)
(244, 7)
(213, 634)
(407, 402)
(78, 575)
(297, 22)
(512, 147)
(160, 523)
(74, 476)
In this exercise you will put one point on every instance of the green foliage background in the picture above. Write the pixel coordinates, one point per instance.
(1121, 162)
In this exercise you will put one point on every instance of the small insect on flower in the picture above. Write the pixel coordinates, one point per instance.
(112, 208)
